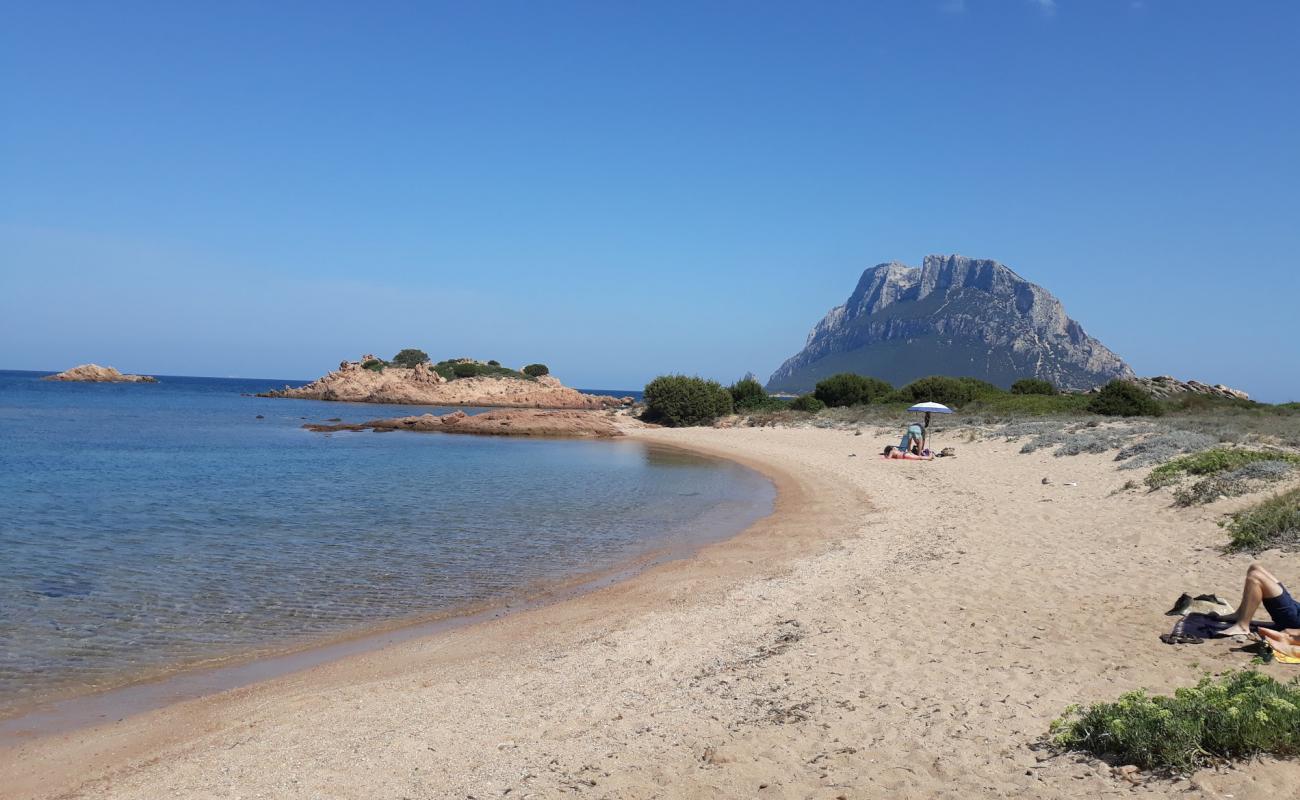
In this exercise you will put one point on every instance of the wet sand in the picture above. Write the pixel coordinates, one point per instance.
(894, 629)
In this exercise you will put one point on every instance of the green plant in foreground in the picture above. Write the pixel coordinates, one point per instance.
(1237, 715)
(1272, 523)
(1210, 462)
(682, 400)
(536, 370)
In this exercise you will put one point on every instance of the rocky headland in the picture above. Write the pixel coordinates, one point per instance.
(1163, 387)
(951, 316)
(93, 373)
(515, 422)
(370, 381)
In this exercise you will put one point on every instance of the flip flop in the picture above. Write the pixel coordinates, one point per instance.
(1180, 638)
(1180, 605)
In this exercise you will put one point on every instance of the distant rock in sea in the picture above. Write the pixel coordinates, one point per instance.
(93, 373)
(372, 381)
(952, 316)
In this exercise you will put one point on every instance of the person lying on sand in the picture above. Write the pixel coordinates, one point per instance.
(894, 452)
(1263, 588)
(1283, 643)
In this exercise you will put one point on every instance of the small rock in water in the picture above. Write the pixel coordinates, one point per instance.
(259, 416)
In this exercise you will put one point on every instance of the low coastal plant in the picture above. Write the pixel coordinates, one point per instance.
(1162, 447)
(465, 368)
(1212, 462)
(536, 370)
(807, 402)
(1238, 715)
(682, 400)
(1033, 386)
(1242, 480)
(373, 364)
(848, 389)
(410, 357)
(954, 392)
(1272, 523)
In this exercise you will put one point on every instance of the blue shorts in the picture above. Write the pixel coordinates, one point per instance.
(1284, 610)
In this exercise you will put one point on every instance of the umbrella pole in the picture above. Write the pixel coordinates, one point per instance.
(925, 432)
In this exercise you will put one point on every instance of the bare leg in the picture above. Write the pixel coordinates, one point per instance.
(1260, 583)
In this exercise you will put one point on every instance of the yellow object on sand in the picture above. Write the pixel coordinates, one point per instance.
(1283, 658)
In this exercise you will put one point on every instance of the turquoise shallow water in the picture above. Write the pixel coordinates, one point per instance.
(147, 526)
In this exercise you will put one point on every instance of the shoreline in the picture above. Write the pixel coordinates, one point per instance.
(65, 709)
(917, 645)
(189, 692)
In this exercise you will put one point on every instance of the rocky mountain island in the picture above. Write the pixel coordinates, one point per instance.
(93, 373)
(410, 378)
(951, 316)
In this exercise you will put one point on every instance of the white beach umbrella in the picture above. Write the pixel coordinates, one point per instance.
(936, 408)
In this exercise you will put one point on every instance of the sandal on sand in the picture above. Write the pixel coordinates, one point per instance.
(1180, 605)
(1180, 638)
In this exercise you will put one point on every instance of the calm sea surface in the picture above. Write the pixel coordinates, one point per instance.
(144, 526)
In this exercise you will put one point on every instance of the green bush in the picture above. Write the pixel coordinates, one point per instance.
(954, 392)
(536, 370)
(1124, 399)
(1273, 523)
(807, 402)
(409, 357)
(466, 369)
(681, 400)
(373, 364)
(848, 389)
(1032, 386)
(1239, 715)
(1210, 462)
(747, 395)
(494, 363)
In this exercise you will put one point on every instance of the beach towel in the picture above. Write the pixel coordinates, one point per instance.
(1203, 626)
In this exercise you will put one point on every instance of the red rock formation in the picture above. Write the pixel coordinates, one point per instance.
(93, 373)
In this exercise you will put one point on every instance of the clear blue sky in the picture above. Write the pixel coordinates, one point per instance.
(622, 189)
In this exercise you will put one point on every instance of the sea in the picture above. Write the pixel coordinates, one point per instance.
(147, 529)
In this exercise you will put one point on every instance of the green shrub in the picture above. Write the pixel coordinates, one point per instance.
(681, 400)
(1273, 523)
(1236, 716)
(1210, 462)
(373, 364)
(409, 357)
(536, 370)
(807, 402)
(494, 363)
(1124, 399)
(954, 392)
(466, 369)
(1032, 386)
(747, 393)
(848, 389)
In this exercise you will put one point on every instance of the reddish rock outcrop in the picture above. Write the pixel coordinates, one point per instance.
(353, 383)
(93, 373)
(516, 422)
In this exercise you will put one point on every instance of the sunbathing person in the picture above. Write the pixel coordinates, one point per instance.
(894, 452)
(1284, 643)
(1263, 588)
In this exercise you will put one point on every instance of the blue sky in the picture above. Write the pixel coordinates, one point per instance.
(624, 189)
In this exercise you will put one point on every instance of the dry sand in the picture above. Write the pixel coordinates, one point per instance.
(896, 629)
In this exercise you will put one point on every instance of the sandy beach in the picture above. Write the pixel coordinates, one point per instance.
(894, 629)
